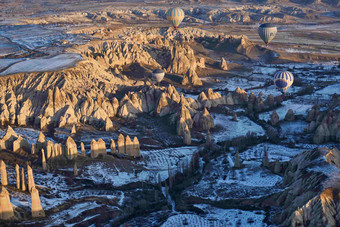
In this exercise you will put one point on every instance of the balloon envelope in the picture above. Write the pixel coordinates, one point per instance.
(175, 16)
(158, 75)
(283, 80)
(267, 32)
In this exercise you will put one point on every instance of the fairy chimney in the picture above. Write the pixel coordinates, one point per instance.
(43, 160)
(17, 172)
(30, 178)
(36, 209)
(23, 183)
(4, 180)
(6, 209)
(113, 147)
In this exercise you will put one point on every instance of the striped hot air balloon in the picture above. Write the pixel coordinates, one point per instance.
(283, 80)
(267, 32)
(175, 16)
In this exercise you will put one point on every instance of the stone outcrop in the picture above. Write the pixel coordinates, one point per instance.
(203, 120)
(113, 147)
(82, 148)
(187, 136)
(223, 64)
(274, 118)
(6, 209)
(135, 150)
(43, 160)
(240, 96)
(191, 78)
(21, 143)
(30, 178)
(211, 99)
(71, 149)
(321, 134)
(182, 59)
(184, 119)
(97, 148)
(33, 148)
(6, 143)
(17, 175)
(126, 146)
(3, 170)
(36, 208)
(290, 116)
(319, 211)
(237, 162)
(265, 161)
(73, 130)
(277, 167)
(121, 144)
(325, 125)
(41, 142)
(23, 182)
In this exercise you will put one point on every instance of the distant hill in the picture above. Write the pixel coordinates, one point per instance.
(302, 2)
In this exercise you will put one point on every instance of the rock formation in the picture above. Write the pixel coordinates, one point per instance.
(97, 148)
(274, 118)
(324, 124)
(321, 134)
(113, 147)
(6, 209)
(82, 148)
(6, 143)
(265, 161)
(23, 183)
(43, 160)
(36, 208)
(290, 116)
(128, 145)
(33, 149)
(211, 99)
(203, 120)
(191, 78)
(187, 136)
(182, 59)
(135, 148)
(277, 167)
(49, 149)
(121, 144)
(17, 174)
(237, 163)
(41, 142)
(21, 143)
(3, 170)
(240, 96)
(73, 130)
(71, 149)
(30, 178)
(223, 64)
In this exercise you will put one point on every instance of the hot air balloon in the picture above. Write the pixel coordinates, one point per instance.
(158, 75)
(267, 32)
(283, 80)
(175, 16)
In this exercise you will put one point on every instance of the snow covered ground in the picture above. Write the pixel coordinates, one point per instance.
(298, 108)
(221, 181)
(232, 129)
(217, 217)
(329, 90)
(30, 134)
(58, 62)
(154, 162)
(275, 152)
